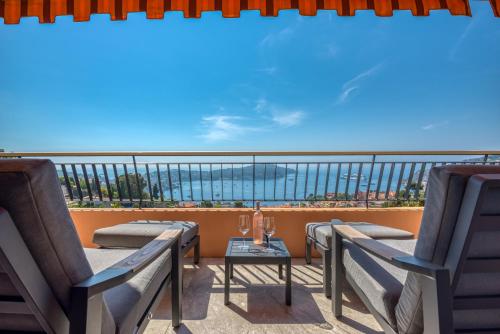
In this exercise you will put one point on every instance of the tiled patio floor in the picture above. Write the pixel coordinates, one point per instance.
(258, 303)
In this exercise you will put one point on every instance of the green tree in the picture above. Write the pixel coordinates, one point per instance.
(206, 204)
(239, 204)
(313, 198)
(156, 191)
(135, 188)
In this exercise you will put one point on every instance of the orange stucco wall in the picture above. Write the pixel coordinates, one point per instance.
(218, 225)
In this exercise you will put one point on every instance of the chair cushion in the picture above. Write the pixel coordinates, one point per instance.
(129, 301)
(31, 193)
(138, 233)
(6, 286)
(19, 323)
(380, 282)
(446, 187)
(322, 232)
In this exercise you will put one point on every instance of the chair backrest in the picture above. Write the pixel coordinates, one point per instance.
(31, 194)
(444, 231)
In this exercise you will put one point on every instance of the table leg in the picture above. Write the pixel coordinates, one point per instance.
(280, 271)
(227, 268)
(231, 270)
(289, 281)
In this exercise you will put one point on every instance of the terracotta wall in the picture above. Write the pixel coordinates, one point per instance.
(218, 225)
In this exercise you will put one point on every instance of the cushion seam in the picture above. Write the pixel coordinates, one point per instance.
(414, 314)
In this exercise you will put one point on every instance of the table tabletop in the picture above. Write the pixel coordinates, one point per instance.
(256, 251)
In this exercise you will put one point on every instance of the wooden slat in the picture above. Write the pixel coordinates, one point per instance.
(476, 302)
(144, 256)
(478, 331)
(474, 265)
(368, 243)
(488, 224)
(9, 307)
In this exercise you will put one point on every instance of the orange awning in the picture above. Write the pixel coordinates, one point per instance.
(81, 10)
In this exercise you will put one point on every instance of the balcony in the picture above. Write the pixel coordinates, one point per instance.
(215, 188)
(345, 241)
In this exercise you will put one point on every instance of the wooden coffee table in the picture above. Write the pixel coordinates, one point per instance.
(256, 255)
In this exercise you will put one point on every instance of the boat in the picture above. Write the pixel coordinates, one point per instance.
(354, 176)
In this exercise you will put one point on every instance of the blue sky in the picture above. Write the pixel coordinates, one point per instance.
(254, 83)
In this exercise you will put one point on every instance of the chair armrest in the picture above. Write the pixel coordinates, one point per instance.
(437, 298)
(387, 253)
(127, 268)
(86, 296)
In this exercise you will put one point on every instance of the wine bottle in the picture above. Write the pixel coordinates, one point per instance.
(257, 225)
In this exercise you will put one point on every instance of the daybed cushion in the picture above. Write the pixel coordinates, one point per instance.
(380, 282)
(138, 233)
(322, 232)
(129, 301)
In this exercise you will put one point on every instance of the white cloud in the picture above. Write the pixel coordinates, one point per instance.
(274, 38)
(288, 118)
(268, 70)
(332, 51)
(344, 95)
(261, 105)
(353, 85)
(223, 128)
(268, 117)
(432, 126)
(454, 49)
(362, 75)
(474, 21)
(281, 117)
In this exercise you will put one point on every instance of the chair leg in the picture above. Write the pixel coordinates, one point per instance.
(196, 257)
(336, 276)
(177, 285)
(327, 273)
(437, 303)
(308, 250)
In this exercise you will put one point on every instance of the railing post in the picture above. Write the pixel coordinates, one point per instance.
(370, 180)
(485, 159)
(253, 181)
(137, 181)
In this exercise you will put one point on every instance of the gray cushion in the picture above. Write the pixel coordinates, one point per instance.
(19, 323)
(477, 319)
(322, 232)
(32, 195)
(138, 233)
(446, 187)
(129, 301)
(380, 282)
(6, 286)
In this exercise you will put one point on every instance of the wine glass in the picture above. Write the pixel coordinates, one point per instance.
(269, 230)
(244, 227)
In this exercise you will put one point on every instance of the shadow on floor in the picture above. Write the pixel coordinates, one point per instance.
(358, 326)
(258, 299)
(198, 282)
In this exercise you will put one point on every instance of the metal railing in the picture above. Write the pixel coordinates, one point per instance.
(383, 178)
